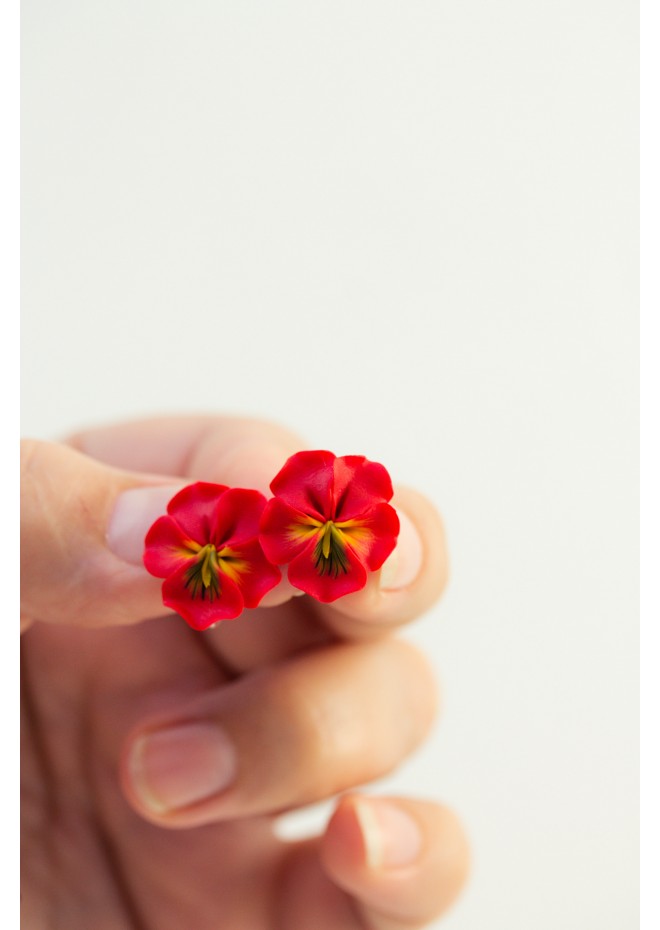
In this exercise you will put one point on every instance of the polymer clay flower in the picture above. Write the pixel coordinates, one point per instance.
(330, 520)
(207, 550)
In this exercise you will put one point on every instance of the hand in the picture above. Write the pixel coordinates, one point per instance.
(155, 757)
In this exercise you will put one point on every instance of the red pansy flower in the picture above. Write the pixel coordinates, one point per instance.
(207, 550)
(330, 520)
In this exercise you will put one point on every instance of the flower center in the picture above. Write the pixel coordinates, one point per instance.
(202, 576)
(330, 551)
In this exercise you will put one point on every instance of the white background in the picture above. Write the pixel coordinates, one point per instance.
(407, 230)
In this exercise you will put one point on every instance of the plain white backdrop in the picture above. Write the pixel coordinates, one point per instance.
(408, 231)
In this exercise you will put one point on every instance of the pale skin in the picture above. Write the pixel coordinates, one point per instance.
(155, 758)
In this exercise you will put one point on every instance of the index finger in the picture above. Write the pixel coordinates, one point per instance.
(238, 450)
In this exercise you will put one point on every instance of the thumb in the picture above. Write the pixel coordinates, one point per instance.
(82, 532)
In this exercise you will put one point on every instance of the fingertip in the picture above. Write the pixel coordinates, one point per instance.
(410, 581)
(371, 836)
(402, 567)
(403, 861)
(424, 568)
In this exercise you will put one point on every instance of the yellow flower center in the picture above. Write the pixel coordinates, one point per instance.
(331, 541)
(330, 551)
(203, 576)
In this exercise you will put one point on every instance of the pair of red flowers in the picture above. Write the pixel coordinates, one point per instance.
(218, 548)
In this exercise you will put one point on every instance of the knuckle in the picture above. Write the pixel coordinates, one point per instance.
(425, 686)
(337, 720)
(300, 711)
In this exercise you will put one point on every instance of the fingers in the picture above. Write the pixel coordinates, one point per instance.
(78, 564)
(250, 453)
(283, 736)
(403, 862)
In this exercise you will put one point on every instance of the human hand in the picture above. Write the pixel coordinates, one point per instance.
(154, 758)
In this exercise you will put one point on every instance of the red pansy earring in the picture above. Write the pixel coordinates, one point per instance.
(208, 552)
(330, 521)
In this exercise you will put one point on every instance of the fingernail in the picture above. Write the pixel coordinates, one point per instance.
(404, 564)
(135, 511)
(174, 768)
(392, 839)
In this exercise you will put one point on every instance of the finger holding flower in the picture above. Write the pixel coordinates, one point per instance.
(208, 552)
(218, 547)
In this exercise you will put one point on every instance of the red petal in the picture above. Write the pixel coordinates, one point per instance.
(237, 517)
(358, 485)
(278, 539)
(306, 482)
(260, 576)
(197, 612)
(165, 548)
(375, 536)
(194, 508)
(326, 588)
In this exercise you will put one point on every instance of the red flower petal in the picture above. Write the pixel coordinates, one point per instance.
(374, 536)
(306, 483)
(165, 548)
(358, 485)
(280, 537)
(303, 574)
(194, 509)
(237, 516)
(201, 612)
(257, 579)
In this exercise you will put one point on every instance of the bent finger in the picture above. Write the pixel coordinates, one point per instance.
(238, 451)
(282, 736)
